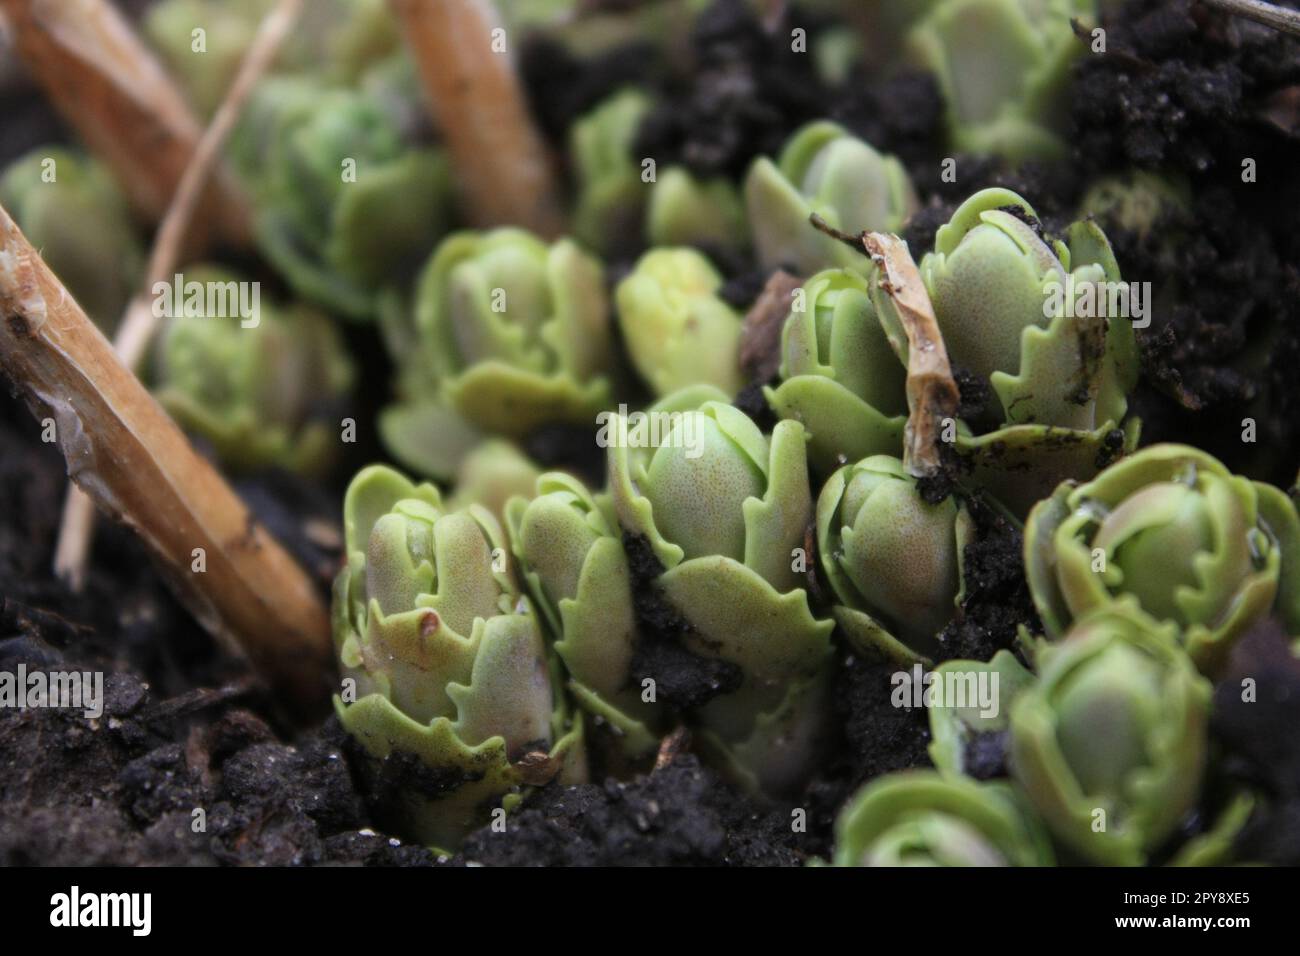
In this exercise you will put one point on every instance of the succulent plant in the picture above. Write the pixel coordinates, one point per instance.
(1041, 320)
(1110, 743)
(823, 170)
(722, 508)
(963, 732)
(491, 474)
(1002, 66)
(677, 330)
(893, 560)
(999, 292)
(506, 333)
(687, 211)
(340, 36)
(81, 224)
(568, 544)
(1217, 845)
(1171, 532)
(1139, 202)
(611, 195)
(266, 390)
(327, 163)
(450, 675)
(839, 375)
(921, 818)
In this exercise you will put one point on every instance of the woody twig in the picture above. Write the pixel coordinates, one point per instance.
(1269, 14)
(465, 64)
(125, 108)
(140, 322)
(128, 455)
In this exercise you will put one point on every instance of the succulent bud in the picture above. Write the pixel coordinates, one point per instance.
(447, 657)
(823, 170)
(840, 377)
(919, 818)
(342, 37)
(723, 508)
(1002, 66)
(81, 224)
(326, 164)
(1170, 531)
(893, 560)
(577, 571)
(506, 334)
(999, 293)
(265, 389)
(1110, 743)
(1139, 202)
(493, 473)
(1045, 323)
(611, 195)
(686, 211)
(965, 729)
(677, 330)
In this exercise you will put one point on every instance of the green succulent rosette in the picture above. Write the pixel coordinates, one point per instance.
(1039, 319)
(1110, 743)
(824, 170)
(723, 509)
(1217, 845)
(958, 720)
(266, 390)
(1139, 202)
(506, 333)
(569, 545)
(1003, 67)
(610, 194)
(677, 330)
(1172, 533)
(999, 290)
(446, 672)
(491, 474)
(687, 211)
(342, 37)
(839, 374)
(81, 224)
(346, 202)
(893, 560)
(922, 818)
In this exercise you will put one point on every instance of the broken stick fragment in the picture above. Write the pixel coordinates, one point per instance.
(140, 323)
(112, 90)
(466, 64)
(932, 394)
(128, 455)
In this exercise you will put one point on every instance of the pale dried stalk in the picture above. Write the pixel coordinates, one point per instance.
(1279, 18)
(502, 164)
(125, 108)
(139, 325)
(123, 449)
(932, 395)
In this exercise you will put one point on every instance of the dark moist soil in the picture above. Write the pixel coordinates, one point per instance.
(1182, 91)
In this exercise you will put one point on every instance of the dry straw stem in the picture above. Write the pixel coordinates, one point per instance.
(140, 323)
(1279, 18)
(124, 451)
(932, 394)
(501, 162)
(114, 92)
